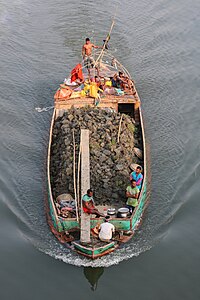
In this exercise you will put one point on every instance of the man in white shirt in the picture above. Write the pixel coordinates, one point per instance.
(106, 230)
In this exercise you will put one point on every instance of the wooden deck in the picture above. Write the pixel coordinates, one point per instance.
(109, 101)
(85, 184)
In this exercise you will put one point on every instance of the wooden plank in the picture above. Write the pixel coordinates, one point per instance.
(106, 101)
(85, 184)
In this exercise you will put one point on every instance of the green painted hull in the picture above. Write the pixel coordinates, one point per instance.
(94, 252)
(123, 224)
(130, 224)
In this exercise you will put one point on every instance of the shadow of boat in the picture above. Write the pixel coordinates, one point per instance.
(93, 275)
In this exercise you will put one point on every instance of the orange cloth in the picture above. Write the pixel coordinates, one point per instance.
(77, 73)
(62, 93)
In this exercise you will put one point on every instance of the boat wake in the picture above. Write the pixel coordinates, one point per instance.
(130, 250)
(28, 209)
(27, 197)
(26, 200)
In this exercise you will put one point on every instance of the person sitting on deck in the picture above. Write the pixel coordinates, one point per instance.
(106, 230)
(98, 82)
(89, 61)
(124, 82)
(88, 204)
(137, 176)
(116, 81)
(132, 193)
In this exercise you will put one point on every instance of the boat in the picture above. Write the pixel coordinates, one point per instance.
(77, 231)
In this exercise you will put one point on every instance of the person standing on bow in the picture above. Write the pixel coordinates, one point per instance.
(137, 176)
(89, 61)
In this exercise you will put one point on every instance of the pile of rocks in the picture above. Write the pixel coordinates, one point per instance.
(109, 160)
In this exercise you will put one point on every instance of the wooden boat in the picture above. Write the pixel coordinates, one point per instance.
(69, 230)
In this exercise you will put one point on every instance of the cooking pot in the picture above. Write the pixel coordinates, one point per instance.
(111, 211)
(123, 212)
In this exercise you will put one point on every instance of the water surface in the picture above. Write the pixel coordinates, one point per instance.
(159, 44)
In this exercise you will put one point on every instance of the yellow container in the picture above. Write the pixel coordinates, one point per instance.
(108, 83)
(83, 94)
(93, 90)
(87, 87)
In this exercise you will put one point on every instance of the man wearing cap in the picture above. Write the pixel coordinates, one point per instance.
(106, 230)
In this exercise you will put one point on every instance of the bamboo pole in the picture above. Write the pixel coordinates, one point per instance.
(120, 124)
(74, 173)
(78, 176)
(105, 43)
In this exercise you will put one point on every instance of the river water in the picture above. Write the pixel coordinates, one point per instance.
(159, 43)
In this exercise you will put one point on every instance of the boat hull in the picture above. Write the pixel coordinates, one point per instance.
(60, 225)
(127, 226)
(95, 252)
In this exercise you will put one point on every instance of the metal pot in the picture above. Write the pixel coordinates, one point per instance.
(123, 212)
(111, 211)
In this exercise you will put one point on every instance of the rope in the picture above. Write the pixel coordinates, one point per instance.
(39, 109)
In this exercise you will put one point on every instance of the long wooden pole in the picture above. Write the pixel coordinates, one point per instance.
(120, 124)
(78, 176)
(105, 43)
(74, 171)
